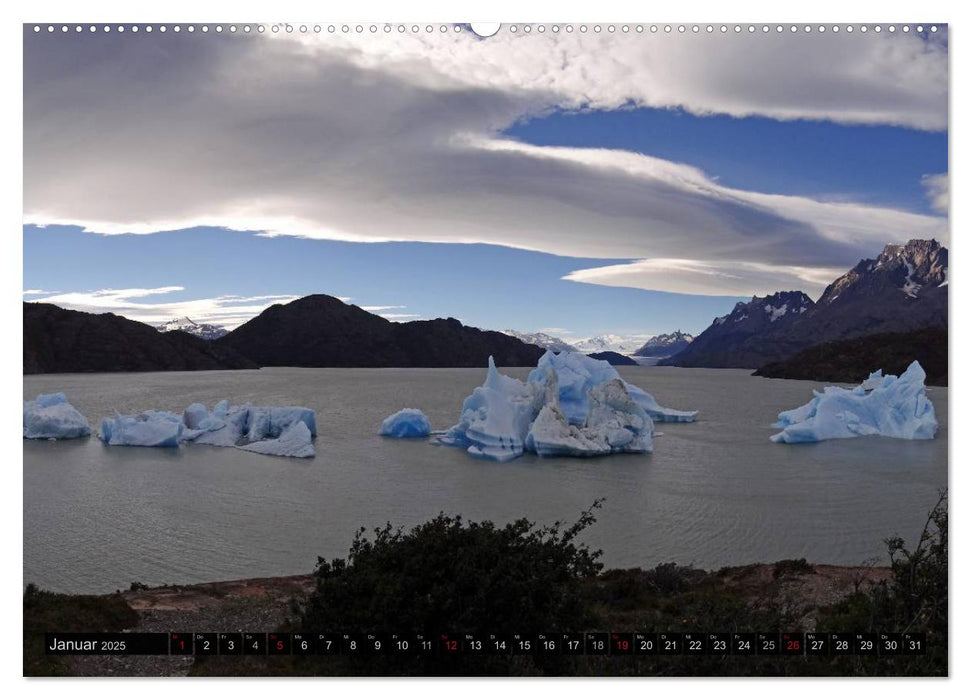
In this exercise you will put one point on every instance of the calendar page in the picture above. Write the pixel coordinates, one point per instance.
(448, 349)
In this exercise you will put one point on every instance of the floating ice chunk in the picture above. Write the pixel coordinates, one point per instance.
(615, 423)
(655, 410)
(571, 405)
(269, 422)
(496, 417)
(579, 373)
(896, 407)
(406, 423)
(224, 427)
(51, 417)
(294, 441)
(874, 380)
(197, 417)
(147, 429)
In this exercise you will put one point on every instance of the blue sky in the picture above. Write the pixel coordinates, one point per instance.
(667, 184)
(486, 286)
(875, 164)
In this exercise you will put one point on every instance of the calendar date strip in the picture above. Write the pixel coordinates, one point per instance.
(552, 644)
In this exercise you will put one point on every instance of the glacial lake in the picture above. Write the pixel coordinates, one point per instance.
(716, 492)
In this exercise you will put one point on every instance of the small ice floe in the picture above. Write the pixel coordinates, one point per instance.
(406, 423)
(51, 417)
(889, 406)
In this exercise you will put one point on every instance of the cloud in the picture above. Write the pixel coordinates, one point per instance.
(938, 189)
(397, 138)
(898, 79)
(732, 278)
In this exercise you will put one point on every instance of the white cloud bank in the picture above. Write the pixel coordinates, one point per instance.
(228, 311)
(395, 137)
(938, 189)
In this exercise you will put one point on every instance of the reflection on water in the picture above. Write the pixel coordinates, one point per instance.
(714, 493)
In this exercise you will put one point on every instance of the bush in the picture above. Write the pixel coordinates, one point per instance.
(915, 600)
(451, 575)
(791, 567)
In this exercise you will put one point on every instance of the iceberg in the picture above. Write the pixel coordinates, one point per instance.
(265, 429)
(496, 417)
(406, 423)
(147, 429)
(295, 441)
(579, 373)
(884, 405)
(569, 405)
(51, 417)
(615, 423)
(270, 422)
(224, 427)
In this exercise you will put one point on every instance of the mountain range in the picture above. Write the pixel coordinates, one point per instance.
(608, 342)
(543, 340)
(665, 345)
(322, 331)
(206, 331)
(903, 289)
(60, 340)
(662, 345)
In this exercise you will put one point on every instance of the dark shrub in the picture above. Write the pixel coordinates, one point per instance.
(462, 577)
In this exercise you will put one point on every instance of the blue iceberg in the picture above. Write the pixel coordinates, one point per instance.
(578, 374)
(406, 423)
(614, 423)
(147, 429)
(51, 417)
(570, 405)
(294, 441)
(277, 430)
(270, 422)
(496, 417)
(223, 427)
(889, 406)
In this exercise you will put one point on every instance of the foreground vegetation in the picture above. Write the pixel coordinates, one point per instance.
(476, 577)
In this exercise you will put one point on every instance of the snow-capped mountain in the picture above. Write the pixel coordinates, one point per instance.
(206, 331)
(664, 345)
(912, 270)
(903, 289)
(608, 342)
(735, 339)
(543, 340)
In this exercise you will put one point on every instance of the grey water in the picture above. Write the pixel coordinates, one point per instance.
(713, 493)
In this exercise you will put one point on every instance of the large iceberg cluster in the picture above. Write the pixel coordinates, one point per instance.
(284, 431)
(570, 405)
(51, 417)
(406, 423)
(888, 405)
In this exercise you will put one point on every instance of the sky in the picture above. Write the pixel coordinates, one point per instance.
(576, 184)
